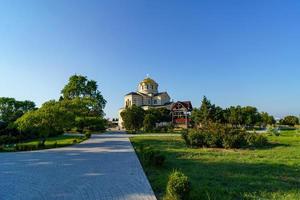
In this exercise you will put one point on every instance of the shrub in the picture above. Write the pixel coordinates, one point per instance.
(197, 138)
(235, 138)
(178, 187)
(222, 137)
(152, 157)
(258, 140)
(185, 137)
(74, 141)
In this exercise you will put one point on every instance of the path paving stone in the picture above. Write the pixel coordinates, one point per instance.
(105, 167)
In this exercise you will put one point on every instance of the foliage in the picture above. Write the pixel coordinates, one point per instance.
(81, 88)
(237, 116)
(290, 121)
(161, 114)
(133, 118)
(235, 138)
(221, 136)
(49, 120)
(11, 109)
(80, 107)
(149, 122)
(151, 157)
(51, 142)
(178, 187)
(205, 114)
(267, 119)
(89, 123)
(272, 171)
(257, 140)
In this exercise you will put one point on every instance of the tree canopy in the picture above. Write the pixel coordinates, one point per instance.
(133, 118)
(11, 109)
(51, 119)
(247, 116)
(79, 87)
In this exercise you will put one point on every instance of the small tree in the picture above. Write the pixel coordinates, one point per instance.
(133, 118)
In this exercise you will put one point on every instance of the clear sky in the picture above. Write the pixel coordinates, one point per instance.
(234, 52)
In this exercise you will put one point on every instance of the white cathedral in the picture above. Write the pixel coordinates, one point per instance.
(147, 96)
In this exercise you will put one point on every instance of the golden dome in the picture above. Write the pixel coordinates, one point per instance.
(148, 81)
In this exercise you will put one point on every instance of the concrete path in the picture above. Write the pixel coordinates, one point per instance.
(105, 167)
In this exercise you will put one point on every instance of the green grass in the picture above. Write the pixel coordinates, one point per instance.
(52, 142)
(272, 172)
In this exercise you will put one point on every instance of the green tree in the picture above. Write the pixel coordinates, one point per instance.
(11, 109)
(205, 114)
(82, 97)
(133, 118)
(49, 120)
(267, 119)
(82, 88)
(160, 114)
(250, 116)
(149, 122)
(235, 115)
(290, 121)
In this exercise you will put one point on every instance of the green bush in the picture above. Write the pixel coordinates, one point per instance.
(197, 138)
(222, 137)
(235, 138)
(178, 187)
(185, 137)
(152, 157)
(258, 140)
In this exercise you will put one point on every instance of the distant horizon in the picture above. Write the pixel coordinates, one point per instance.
(233, 52)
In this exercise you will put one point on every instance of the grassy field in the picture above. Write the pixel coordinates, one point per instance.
(52, 142)
(272, 172)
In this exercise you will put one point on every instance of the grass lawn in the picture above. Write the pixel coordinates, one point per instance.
(52, 142)
(269, 173)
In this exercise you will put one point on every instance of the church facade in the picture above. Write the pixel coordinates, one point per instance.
(147, 96)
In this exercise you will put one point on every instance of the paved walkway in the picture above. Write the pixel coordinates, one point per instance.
(105, 167)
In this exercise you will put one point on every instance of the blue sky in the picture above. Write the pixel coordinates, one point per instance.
(234, 52)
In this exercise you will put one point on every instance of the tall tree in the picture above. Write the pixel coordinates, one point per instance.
(81, 88)
(206, 113)
(11, 109)
(250, 116)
